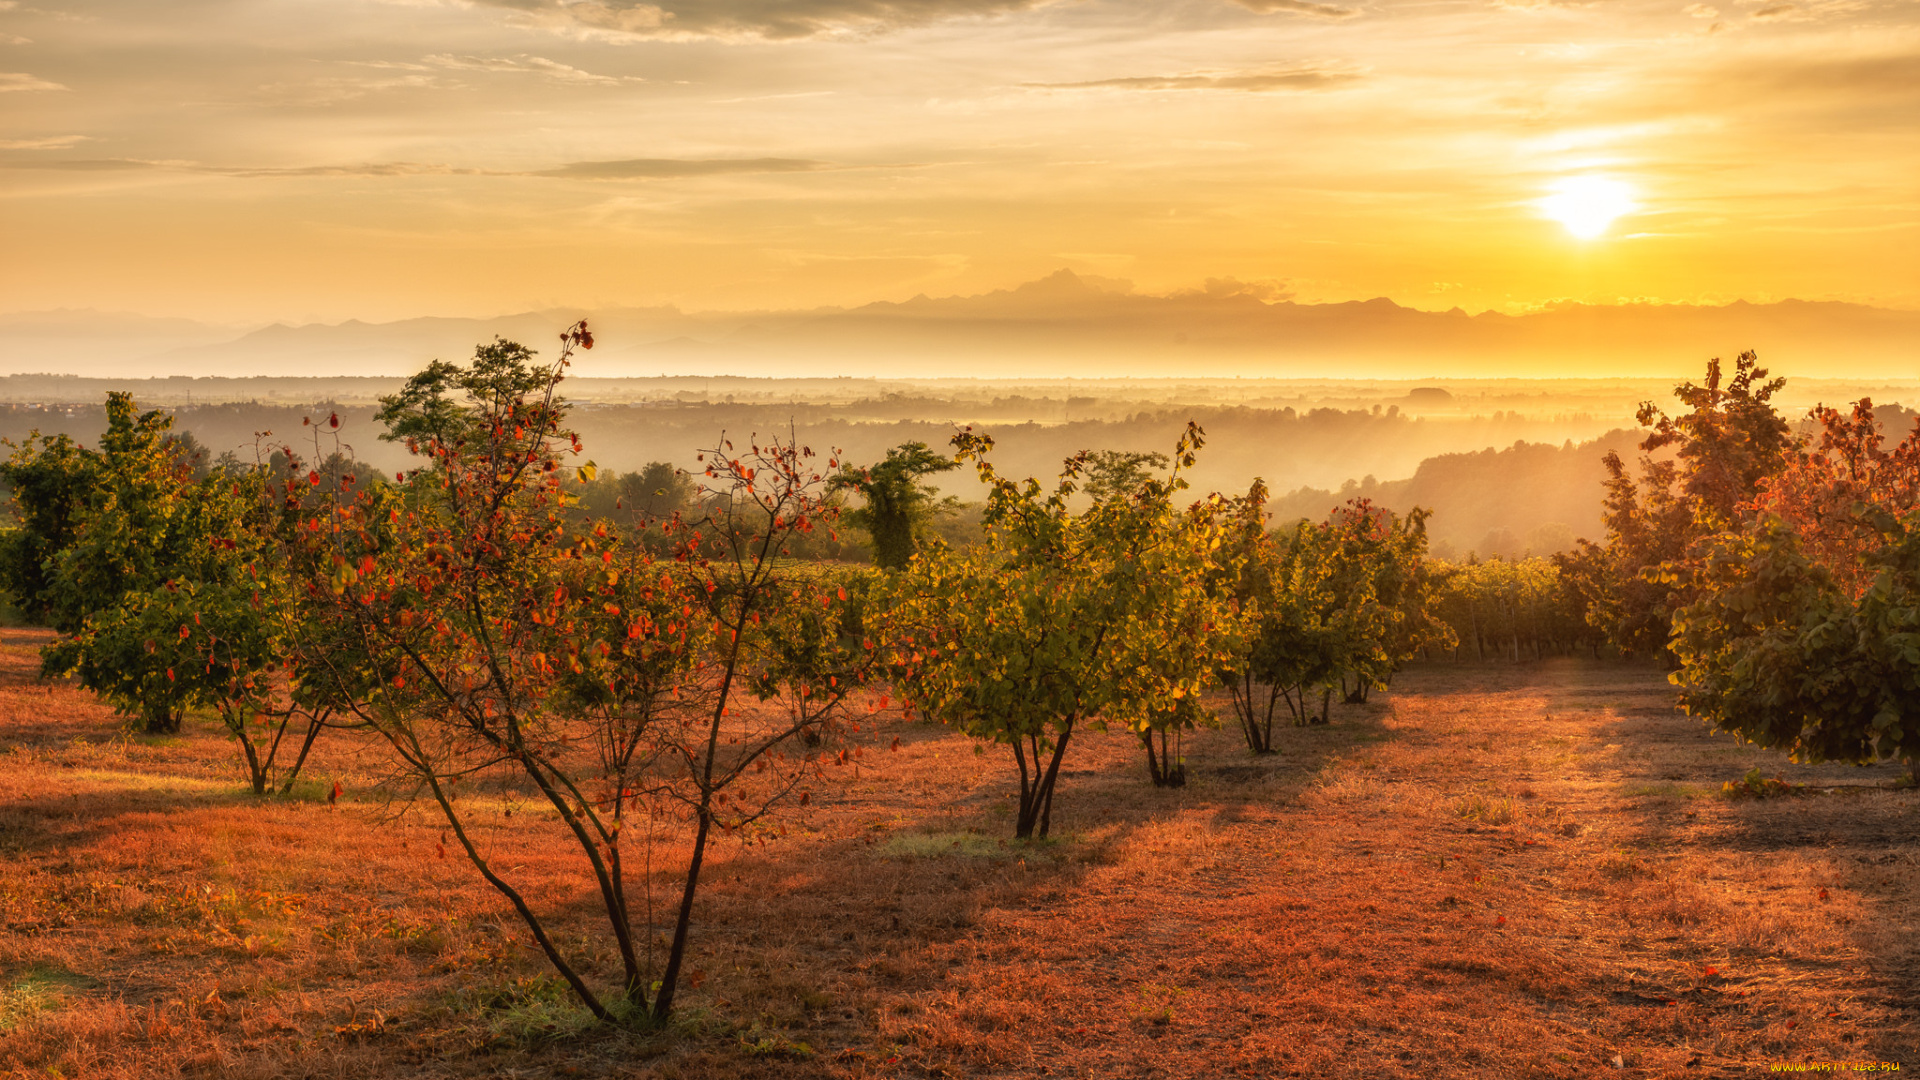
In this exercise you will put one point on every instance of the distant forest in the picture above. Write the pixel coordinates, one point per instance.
(1507, 483)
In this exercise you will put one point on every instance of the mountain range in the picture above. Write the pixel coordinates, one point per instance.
(1060, 325)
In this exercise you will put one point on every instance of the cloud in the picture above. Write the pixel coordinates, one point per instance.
(51, 142)
(675, 168)
(772, 19)
(633, 169)
(1541, 5)
(526, 65)
(1774, 11)
(85, 164)
(384, 168)
(1265, 290)
(1246, 81)
(19, 80)
(1298, 7)
(1702, 11)
(1870, 81)
(318, 93)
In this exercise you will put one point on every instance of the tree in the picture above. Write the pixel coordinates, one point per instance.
(1249, 669)
(1826, 482)
(52, 479)
(1773, 649)
(657, 492)
(159, 570)
(1120, 474)
(1390, 551)
(899, 504)
(488, 634)
(1728, 439)
(1803, 631)
(131, 530)
(1172, 622)
(1336, 604)
(1060, 619)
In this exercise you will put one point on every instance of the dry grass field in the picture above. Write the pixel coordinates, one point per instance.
(1491, 871)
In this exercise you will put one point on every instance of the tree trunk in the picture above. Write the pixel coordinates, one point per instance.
(1165, 769)
(161, 720)
(663, 1002)
(1036, 787)
(314, 724)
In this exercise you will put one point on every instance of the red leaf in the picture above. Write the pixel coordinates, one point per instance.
(1823, 894)
(805, 798)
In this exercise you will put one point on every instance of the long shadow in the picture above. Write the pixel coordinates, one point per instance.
(1671, 771)
(890, 914)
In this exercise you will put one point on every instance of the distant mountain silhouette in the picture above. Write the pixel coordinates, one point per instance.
(1062, 324)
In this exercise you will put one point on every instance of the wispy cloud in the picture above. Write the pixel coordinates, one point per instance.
(1298, 7)
(50, 142)
(86, 164)
(772, 19)
(19, 80)
(524, 64)
(675, 168)
(1244, 81)
(630, 169)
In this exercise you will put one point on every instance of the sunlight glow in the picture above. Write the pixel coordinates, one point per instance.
(1586, 205)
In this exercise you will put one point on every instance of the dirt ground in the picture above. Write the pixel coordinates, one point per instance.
(1503, 870)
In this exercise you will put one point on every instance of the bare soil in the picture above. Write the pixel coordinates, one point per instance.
(1523, 870)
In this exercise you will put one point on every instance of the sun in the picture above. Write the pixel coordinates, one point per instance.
(1586, 205)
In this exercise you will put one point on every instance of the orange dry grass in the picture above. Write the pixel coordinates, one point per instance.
(1497, 871)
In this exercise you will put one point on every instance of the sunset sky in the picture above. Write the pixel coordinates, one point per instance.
(250, 160)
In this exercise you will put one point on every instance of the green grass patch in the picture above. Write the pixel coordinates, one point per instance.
(1486, 810)
(966, 845)
(34, 990)
(529, 1009)
(1755, 785)
(165, 785)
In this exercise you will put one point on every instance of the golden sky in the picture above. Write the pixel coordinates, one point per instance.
(249, 160)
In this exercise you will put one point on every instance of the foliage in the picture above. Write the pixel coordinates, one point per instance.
(898, 504)
(51, 480)
(1713, 457)
(1826, 483)
(1755, 785)
(1516, 608)
(486, 634)
(645, 500)
(1062, 618)
(1777, 648)
(1334, 604)
(140, 531)
(160, 571)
